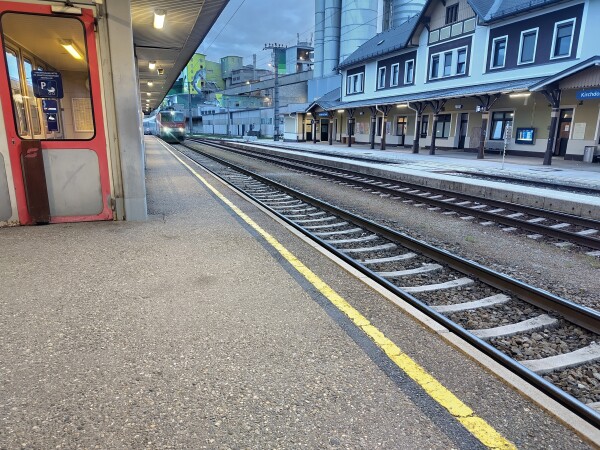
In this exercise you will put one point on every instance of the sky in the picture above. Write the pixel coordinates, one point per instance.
(245, 26)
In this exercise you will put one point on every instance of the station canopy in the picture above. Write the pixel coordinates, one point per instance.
(187, 23)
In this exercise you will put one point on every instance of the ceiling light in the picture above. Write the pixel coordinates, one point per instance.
(159, 18)
(152, 65)
(161, 71)
(340, 110)
(522, 94)
(150, 83)
(148, 94)
(70, 47)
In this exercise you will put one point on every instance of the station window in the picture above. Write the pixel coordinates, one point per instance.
(355, 83)
(424, 126)
(451, 13)
(47, 65)
(499, 122)
(528, 45)
(498, 52)
(381, 78)
(442, 130)
(409, 71)
(395, 74)
(563, 38)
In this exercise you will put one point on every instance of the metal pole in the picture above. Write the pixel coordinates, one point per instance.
(433, 134)
(190, 106)
(484, 122)
(415, 148)
(276, 100)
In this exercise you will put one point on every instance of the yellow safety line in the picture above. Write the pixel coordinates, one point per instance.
(476, 425)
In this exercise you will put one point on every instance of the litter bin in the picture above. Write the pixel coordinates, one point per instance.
(588, 153)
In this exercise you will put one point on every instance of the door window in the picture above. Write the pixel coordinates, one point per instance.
(61, 109)
(14, 75)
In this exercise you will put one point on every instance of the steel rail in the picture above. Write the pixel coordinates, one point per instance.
(589, 316)
(585, 241)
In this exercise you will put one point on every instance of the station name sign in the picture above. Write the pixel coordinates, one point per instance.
(588, 94)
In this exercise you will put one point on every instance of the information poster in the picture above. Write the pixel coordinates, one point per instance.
(82, 114)
(579, 130)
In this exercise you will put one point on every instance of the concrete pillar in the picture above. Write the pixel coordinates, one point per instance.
(127, 110)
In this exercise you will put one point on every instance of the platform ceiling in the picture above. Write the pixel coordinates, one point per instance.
(186, 25)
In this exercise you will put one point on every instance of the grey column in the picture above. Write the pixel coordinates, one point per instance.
(127, 108)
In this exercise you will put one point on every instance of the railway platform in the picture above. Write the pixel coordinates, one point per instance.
(458, 162)
(212, 325)
(571, 187)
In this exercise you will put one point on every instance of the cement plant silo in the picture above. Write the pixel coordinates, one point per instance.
(358, 25)
(319, 33)
(331, 46)
(402, 10)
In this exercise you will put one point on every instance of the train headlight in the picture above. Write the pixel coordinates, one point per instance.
(167, 129)
(181, 129)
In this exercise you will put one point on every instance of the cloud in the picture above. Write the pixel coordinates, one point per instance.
(256, 23)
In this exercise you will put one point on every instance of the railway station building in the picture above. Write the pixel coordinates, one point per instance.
(473, 75)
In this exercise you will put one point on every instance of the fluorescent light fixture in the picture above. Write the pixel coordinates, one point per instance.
(70, 47)
(522, 94)
(340, 110)
(150, 83)
(159, 18)
(152, 65)
(404, 105)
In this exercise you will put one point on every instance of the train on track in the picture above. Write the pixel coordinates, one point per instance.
(167, 124)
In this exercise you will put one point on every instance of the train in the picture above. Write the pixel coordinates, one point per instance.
(167, 124)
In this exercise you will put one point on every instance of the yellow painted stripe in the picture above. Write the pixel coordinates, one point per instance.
(476, 425)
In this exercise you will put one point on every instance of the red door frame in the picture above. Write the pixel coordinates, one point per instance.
(97, 144)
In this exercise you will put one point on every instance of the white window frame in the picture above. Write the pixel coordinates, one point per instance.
(446, 54)
(406, 81)
(437, 75)
(397, 80)
(453, 63)
(350, 83)
(537, 34)
(381, 74)
(556, 25)
(456, 63)
(499, 38)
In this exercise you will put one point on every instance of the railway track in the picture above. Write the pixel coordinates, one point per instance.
(566, 229)
(514, 321)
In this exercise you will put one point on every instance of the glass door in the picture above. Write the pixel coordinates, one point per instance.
(50, 93)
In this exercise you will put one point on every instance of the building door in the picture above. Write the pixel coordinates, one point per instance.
(324, 130)
(464, 121)
(401, 129)
(50, 93)
(564, 131)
